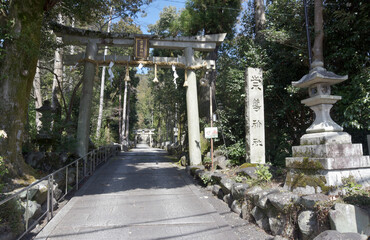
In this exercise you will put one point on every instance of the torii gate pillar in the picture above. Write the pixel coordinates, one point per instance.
(192, 111)
(83, 128)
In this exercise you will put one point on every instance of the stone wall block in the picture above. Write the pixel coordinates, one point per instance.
(349, 218)
(335, 235)
(228, 199)
(260, 218)
(309, 201)
(307, 224)
(221, 162)
(282, 200)
(251, 192)
(238, 190)
(217, 191)
(260, 197)
(226, 185)
(245, 211)
(236, 207)
(217, 176)
(248, 172)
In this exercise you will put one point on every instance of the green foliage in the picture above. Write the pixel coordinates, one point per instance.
(3, 167)
(350, 185)
(206, 179)
(210, 16)
(235, 152)
(263, 173)
(355, 193)
(11, 216)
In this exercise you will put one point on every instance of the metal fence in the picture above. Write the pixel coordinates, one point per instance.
(68, 177)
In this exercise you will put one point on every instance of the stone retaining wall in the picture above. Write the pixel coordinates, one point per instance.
(283, 213)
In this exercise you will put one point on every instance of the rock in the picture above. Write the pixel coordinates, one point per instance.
(41, 195)
(42, 192)
(33, 210)
(278, 222)
(217, 176)
(217, 191)
(307, 224)
(226, 184)
(250, 192)
(57, 193)
(279, 238)
(335, 235)
(238, 190)
(306, 190)
(245, 211)
(6, 235)
(260, 197)
(198, 173)
(309, 201)
(260, 218)
(217, 153)
(34, 158)
(221, 162)
(236, 207)
(248, 172)
(31, 192)
(191, 169)
(282, 200)
(183, 161)
(228, 199)
(349, 218)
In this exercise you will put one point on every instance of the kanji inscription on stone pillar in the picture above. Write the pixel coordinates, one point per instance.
(254, 116)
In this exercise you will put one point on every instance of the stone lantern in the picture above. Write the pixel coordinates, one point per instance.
(44, 138)
(323, 129)
(326, 155)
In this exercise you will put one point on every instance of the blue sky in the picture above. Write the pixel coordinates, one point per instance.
(152, 12)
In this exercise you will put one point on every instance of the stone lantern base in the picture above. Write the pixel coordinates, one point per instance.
(322, 167)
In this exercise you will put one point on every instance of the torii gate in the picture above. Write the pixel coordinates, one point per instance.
(92, 39)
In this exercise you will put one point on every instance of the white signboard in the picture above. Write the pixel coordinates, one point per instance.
(211, 132)
(255, 121)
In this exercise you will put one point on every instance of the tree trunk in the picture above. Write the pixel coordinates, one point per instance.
(58, 71)
(38, 96)
(260, 18)
(317, 49)
(17, 71)
(102, 85)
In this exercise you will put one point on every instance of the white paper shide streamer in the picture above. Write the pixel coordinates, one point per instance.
(175, 76)
(110, 72)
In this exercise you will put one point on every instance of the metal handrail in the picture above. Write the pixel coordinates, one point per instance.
(95, 157)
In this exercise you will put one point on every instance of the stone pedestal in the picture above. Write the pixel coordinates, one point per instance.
(326, 154)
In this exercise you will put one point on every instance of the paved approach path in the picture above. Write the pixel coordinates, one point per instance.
(138, 195)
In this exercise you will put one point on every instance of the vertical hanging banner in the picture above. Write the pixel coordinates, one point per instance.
(141, 48)
(254, 116)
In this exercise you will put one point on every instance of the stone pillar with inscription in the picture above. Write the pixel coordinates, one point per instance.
(254, 116)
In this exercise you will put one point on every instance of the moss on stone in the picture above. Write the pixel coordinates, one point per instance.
(302, 179)
(246, 165)
(306, 163)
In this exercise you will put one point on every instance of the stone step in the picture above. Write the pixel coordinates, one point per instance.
(328, 150)
(328, 163)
